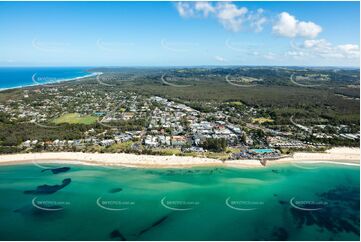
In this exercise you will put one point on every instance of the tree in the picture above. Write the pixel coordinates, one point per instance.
(216, 145)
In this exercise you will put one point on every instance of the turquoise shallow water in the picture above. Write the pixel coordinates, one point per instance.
(96, 203)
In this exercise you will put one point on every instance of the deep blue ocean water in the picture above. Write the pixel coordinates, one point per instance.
(11, 77)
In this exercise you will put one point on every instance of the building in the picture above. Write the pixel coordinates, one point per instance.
(179, 140)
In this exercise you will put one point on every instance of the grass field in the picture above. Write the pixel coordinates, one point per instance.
(75, 118)
(262, 120)
(235, 103)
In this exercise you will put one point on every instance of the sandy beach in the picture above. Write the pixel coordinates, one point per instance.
(341, 155)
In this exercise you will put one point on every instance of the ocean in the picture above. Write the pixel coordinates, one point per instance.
(73, 202)
(11, 77)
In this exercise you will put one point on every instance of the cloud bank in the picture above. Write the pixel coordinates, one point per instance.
(288, 26)
(231, 17)
(237, 18)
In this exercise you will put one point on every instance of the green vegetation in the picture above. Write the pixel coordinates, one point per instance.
(329, 111)
(216, 145)
(75, 118)
(120, 147)
(262, 120)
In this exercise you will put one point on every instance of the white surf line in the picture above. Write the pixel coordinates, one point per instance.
(328, 162)
(59, 81)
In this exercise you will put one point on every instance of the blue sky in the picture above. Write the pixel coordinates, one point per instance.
(179, 33)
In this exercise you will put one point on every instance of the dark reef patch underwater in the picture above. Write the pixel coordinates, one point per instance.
(97, 203)
(338, 215)
(49, 189)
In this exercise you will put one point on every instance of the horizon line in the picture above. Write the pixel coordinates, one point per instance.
(177, 66)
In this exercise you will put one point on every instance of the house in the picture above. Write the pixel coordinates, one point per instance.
(164, 140)
(179, 140)
(128, 115)
(107, 142)
(27, 143)
(150, 141)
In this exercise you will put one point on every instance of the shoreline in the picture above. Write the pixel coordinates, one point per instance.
(337, 156)
(91, 74)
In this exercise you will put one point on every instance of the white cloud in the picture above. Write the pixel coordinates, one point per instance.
(308, 29)
(297, 55)
(316, 43)
(220, 58)
(204, 7)
(323, 48)
(231, 16)
(287, 25)
(257, 20)
(185, 9)
(349, 50)
(194, 9)
(270, 56)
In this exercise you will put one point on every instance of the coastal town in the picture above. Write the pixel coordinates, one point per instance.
(180, 120)
(118, 121)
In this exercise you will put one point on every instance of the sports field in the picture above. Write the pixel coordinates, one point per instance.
(75, 118)
(262, 120)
